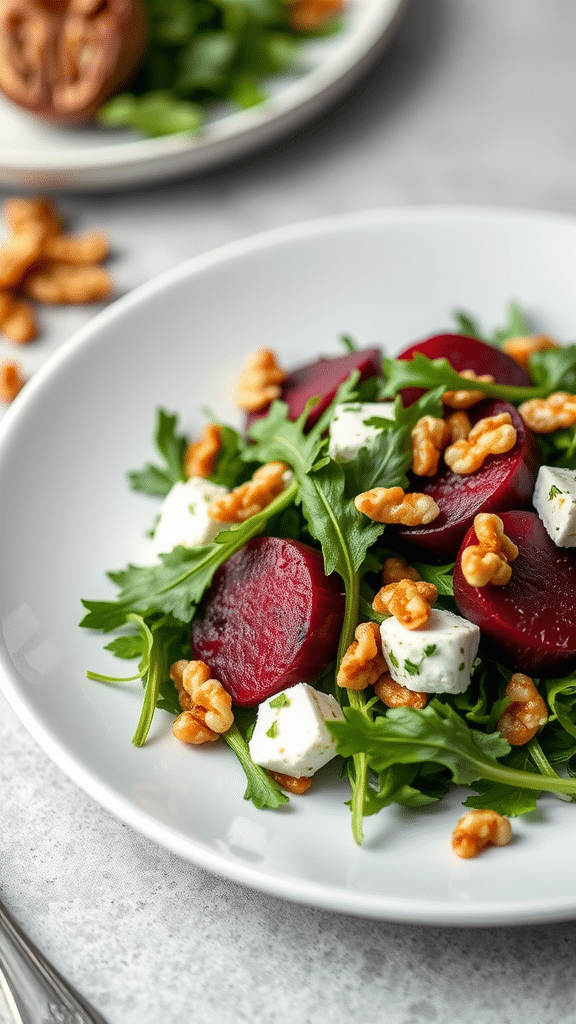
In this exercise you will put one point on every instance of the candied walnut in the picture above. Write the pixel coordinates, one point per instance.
(363, 663)
(92, 247)
(246, 500)
(19, 212)
(66, 283)
(479, 829)
(463, 399)
(392, 505)
(394, 695)
(429, 437)
(488, 561)
(492, 435)
(396, 568)
(521, 348)
(19, 253)
(260, 381)
(408, 601)
(526, 712)
(206, 706)
(200, 456)
(544, 415)
(18, 322)
(308, 15)
(11, 381)
(291, 783)
(459, 425)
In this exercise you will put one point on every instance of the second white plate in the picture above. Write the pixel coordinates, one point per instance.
(36, 155)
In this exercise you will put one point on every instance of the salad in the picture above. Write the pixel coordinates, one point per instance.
(379, 569)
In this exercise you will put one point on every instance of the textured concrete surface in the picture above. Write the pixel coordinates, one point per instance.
(473, 103)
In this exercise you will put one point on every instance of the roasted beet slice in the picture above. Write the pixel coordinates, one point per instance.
(502, 482)
(322, 378)
(270, 618)
(530, 623)
(465, 353)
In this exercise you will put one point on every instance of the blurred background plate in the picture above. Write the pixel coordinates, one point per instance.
(34, 154)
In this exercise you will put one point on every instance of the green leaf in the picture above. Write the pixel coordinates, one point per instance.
(157, 480)
(510, 801)
(395, 787)
(439, 735)
(561, 697)
(261, 788)
(177, 583)
(420, 372)
(516, 326)
(385, 460)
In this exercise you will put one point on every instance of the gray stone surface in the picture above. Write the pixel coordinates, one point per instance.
(473, 103)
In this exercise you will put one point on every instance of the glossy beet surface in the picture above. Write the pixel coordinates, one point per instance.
(465, 353)
(270, 618)
(502, 482)
(322, 378)
(529, 624)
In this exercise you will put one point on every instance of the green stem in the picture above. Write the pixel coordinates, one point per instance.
(543, 765)
(524, 780)
(357, 701)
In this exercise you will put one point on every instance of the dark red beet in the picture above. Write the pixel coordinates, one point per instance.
(465, 353)
(270, 618)
(529, 624)
(502, 482)
(322, 378)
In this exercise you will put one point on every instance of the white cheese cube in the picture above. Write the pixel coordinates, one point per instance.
(349, 430)
(290, 735)
(184, 515)
(437, 658)
(555, 502)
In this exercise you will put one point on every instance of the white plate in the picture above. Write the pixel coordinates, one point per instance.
(67, 515)
(37, 155)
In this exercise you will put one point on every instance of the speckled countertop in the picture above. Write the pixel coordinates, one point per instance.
(473, 103)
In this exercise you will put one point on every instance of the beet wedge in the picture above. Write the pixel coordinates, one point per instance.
(321, 379)
(465, 353)
(530, 623)
(503, 482)
(270, 618)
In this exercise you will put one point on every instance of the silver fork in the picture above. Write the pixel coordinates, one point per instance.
(34, 991)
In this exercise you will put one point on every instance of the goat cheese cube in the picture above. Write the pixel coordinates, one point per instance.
(437, 658)
(290, 735)
(184, 515)
(555, 502)
(349, 429)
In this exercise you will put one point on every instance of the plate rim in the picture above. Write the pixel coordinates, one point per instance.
(303, 891)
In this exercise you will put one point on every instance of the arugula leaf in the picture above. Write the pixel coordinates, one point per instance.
(231, 466)
(561, 697)
(552, 369)
(437, 734)
(516, 326)
(158, 480)
(177, 583)
(157, 644)
(395, 787)
(262, 790)
(510, 801)
(385, 460)
(442, 576)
